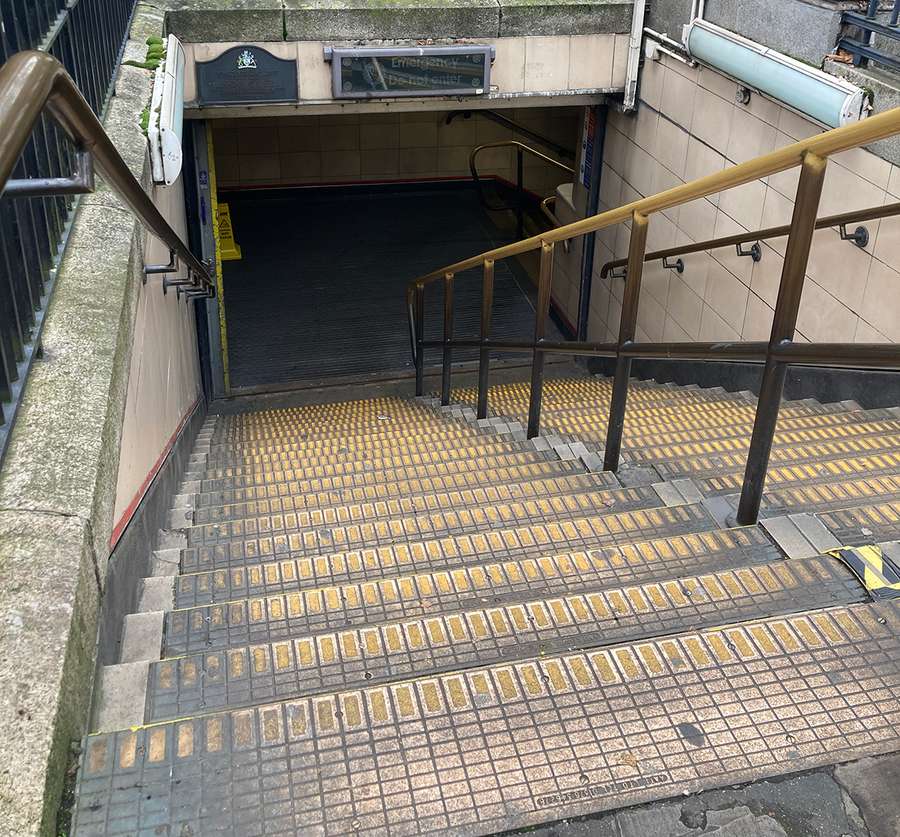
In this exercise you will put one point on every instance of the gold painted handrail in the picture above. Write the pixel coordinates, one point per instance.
(31, 81)
(854, 217)
(811, 155)
(521, 148)
(831, 142)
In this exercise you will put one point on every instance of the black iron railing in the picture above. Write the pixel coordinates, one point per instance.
(86, 37)
(780, 351)
(865, 51)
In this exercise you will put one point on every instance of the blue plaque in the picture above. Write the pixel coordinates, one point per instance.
(378, 73)
(246, 75)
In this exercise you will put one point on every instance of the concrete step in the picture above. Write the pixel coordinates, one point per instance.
(366, 472)
(852, 456)
(343, 511)
(294, 665)
(532, 540)
(509, 745)
(350, 527)
(330, 599)
(269, 618)
(464, 448)
(346, 488)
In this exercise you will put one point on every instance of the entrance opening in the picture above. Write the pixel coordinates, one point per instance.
(334, 215)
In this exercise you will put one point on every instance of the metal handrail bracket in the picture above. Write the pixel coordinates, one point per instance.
(31, 81)
(811, 156)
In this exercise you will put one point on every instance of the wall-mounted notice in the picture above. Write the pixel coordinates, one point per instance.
(412, 71)
(246, 75)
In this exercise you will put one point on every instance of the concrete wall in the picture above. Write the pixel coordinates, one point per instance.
(689, 125)
(164, 374)
(352, 148)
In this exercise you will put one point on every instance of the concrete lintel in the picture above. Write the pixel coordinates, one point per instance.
(328, 20)
(209, 21)
(564, 17)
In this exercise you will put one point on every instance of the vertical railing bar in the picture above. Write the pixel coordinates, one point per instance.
(448, 338)
(484, 356)
(784, 323)
(627, 326)
(420, 337)
(541, 312)
(520, 194)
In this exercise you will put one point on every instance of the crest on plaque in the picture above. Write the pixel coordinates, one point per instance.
(246, 61)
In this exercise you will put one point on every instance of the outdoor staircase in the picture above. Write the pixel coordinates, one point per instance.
(384, 616)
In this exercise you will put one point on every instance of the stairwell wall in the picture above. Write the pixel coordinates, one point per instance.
(688, 124)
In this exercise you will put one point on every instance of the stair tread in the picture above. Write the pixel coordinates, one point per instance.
(245, 602)
(519, 541)
(510, 745)
(319, 529)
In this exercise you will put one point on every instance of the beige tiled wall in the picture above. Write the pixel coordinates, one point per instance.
(279, 151)
(687, 125)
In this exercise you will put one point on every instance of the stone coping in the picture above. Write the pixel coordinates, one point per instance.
(204, 21)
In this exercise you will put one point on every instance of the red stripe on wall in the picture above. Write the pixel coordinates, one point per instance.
(120, 527)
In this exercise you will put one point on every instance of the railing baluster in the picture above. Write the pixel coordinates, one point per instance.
(637, 246)
(420, 336)
(448, 337)
(542, 311)
(484, 356)
(784, 322)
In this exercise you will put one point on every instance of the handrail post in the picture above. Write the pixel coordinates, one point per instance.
(542, 311)
(520, 194)
(448, 337)
(484, 357)
(637, 246)
(420, 337)
(784, 322)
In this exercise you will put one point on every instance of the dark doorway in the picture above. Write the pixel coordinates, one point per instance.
(320, 290)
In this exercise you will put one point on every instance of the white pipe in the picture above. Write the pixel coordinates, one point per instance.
(634, 54)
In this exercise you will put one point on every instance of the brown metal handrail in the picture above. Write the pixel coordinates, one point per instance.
(811, 156)
(31, 81)
(885, 211)
(521, 151)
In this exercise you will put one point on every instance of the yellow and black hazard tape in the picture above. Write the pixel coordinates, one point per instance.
(877, 572)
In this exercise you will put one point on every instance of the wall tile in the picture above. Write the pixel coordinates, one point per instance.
(673, 143)
(685, 307)
(750, 137)
(620, 61)
(712, 119)
(301, 166)
(840, 267)
(677, 100)
(257, 140)
(844, 191)
(866, 334)
(259, 168)
(823, 318)
(727, 296)
(419, 134)
(339, 137)
(591, 61)
(758, 320)
(378, 136)
(340, 164)
(315, 72)
(713, 327)
(651, 82)
(881, 303)
(744, 204)
(674, 333)
(508, 71)
(766, 275)
(547, 63)
(298, 138)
